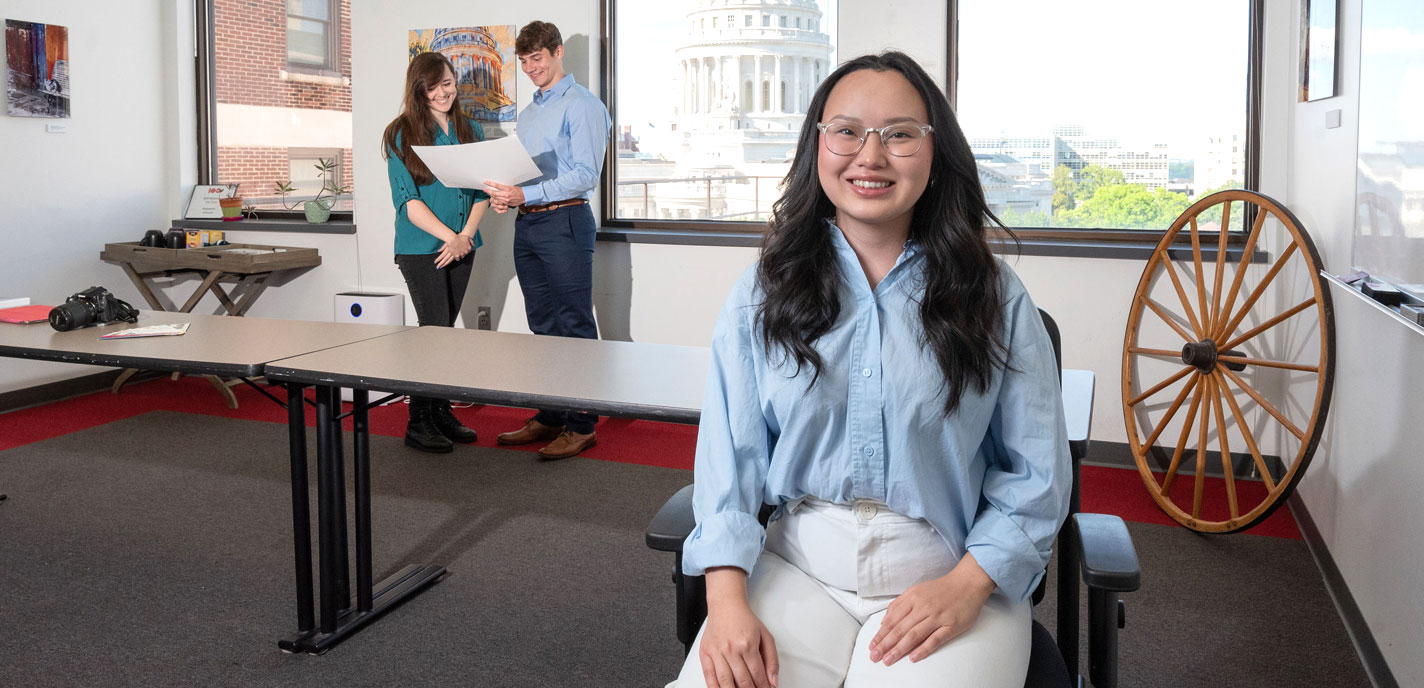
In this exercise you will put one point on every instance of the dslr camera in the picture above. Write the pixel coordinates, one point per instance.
(93, 306)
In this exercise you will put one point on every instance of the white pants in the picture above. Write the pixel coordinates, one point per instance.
(822, 587)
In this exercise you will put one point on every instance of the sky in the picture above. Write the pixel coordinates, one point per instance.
(1145, 71)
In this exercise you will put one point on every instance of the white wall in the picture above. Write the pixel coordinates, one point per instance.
(1360, 487)
(106, 179)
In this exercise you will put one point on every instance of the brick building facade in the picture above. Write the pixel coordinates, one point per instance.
(280, 106)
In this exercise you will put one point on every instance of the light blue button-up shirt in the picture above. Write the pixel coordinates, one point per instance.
(993, 478)
(565, 130)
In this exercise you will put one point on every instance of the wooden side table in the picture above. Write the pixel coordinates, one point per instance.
(250, 265)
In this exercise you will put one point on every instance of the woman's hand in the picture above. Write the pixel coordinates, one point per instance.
(932, 613)
(454, 249)
(737, 651)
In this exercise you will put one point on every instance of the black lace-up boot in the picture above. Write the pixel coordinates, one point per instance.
(422, 432)
(449, 425)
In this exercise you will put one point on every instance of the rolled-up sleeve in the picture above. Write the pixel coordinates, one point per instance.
(403, 186)
(1027, 483)
(588, 129)
(733, 453)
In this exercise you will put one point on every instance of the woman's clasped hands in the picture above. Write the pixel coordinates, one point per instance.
(454, 249)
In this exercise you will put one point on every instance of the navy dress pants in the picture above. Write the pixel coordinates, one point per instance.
(553, 257)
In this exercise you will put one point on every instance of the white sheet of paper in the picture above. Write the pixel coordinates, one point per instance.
(468, 165)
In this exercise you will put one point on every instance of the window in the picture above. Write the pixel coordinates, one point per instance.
(1083, 135)
(271, 108)
(310, 38)
(715, 119)
(782, 19)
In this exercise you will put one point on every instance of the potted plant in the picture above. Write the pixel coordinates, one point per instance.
(231, 208)
(318, 209)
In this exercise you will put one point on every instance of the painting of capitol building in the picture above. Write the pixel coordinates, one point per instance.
(484, 62)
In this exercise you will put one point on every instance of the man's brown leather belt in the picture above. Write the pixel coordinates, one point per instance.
(526, 209)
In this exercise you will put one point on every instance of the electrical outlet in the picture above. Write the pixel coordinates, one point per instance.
(482, 318)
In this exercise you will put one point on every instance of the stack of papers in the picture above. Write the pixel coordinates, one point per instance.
(150, 331)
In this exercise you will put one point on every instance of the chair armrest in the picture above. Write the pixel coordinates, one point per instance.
(1077, 392)
(673, 522)
(1108, 559)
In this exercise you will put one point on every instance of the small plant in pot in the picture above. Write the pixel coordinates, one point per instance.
(318, 209)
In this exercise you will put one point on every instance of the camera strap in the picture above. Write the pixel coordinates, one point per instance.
(123, 311)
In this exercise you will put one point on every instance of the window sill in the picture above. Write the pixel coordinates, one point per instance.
(289, 226)
(1056, 248)
(322, 77)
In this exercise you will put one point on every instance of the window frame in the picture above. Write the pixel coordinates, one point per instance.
(749, 233)
(333, 44)
(205, 74)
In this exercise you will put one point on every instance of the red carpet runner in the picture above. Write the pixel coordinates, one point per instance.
(649, 443)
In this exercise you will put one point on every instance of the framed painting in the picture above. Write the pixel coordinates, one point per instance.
(37, 69)
(484, 62)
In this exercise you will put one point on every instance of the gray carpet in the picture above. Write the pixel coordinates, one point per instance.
(156, 551)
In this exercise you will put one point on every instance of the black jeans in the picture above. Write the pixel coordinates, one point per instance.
(436, 293)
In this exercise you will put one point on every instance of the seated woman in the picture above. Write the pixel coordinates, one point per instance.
(887, 383)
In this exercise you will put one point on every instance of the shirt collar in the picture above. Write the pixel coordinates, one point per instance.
(850, 264)
(559, 88)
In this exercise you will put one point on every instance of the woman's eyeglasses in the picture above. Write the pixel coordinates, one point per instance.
(901, 140)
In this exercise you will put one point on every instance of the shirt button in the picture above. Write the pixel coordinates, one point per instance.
(870, 451)
(866, 372)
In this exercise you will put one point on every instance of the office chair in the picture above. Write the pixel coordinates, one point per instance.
(1095, 549)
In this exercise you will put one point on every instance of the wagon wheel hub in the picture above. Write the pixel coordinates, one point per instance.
(1201, 354)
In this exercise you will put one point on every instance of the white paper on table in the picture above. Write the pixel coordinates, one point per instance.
(468, 165)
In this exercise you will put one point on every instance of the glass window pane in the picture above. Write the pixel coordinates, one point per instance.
(313, 9)
(711, 132)
(271, 124)
(306, 41)
(1097, 131)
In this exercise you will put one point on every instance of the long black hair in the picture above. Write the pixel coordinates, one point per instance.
(961, 308)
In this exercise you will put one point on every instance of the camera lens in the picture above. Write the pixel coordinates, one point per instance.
(70, 316)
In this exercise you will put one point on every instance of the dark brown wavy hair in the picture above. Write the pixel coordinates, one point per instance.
(415, 126)
(961, 310)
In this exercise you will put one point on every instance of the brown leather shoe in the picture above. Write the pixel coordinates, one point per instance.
(568, 444)
(533, 431)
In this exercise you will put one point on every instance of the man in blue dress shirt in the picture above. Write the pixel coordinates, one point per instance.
(566, 132)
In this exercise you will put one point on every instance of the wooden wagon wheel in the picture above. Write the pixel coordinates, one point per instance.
(1197, 361)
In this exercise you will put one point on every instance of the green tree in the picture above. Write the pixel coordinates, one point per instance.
(1015, 218)
(1064, 188)
(1126, 206)
(1181, 169)
(1094, 177)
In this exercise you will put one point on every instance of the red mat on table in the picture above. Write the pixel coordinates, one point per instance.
(648, 443)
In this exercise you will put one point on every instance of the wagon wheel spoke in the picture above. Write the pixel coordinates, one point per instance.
(1182, 442)
(1256, 396)
(1158, 310)
(1255, 294)
(1226, 470)
(1155, 352)
(1201, 279)
(1278, 319)
(1245, 261)
(1171, 411)
(1200, 485)
(1161, 386)
(1246, 433)
(1267, 363)
(1220, 264)
(1182, 295)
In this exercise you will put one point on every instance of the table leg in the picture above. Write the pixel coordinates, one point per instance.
(223, 389)
(361, 433)
(122, 378)
(301, 519)
(373, 600)
(211, 279)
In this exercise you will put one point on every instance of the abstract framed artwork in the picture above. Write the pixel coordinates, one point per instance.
(483, 58)
(37, 69)
(1318, 48)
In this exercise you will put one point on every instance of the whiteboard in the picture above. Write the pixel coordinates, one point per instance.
(1389, 189)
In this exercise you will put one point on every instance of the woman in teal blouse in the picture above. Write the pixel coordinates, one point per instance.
(437, 227)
